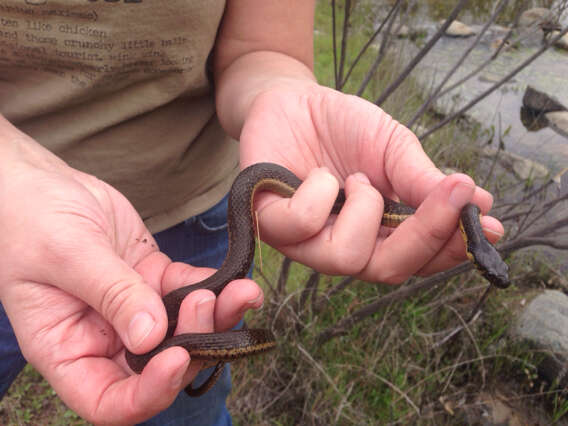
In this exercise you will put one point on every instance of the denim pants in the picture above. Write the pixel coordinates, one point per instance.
(200, 241)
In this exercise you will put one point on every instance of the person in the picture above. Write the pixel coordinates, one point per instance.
(117, 125)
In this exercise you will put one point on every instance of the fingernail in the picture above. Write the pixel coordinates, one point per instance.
(177, 379)
(491, 231)
(252, 303)
(361, 177)
(140, 327)
(460, 195)
(204, 310)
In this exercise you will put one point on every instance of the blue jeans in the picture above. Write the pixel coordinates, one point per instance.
(200, 241)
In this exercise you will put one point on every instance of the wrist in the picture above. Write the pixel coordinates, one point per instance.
(238, 85)
(17, 147)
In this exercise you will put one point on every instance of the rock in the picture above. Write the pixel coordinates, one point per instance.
(558, 120)
(522, 167)
(402, 31)
(459, 29)
(562, 43)
(540, 102)
(561, 180)
(536, 16)
(544, 324)
(533, 120)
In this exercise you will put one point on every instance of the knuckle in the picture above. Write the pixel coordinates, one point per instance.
(349, 261)
(307, 220)
(438, 233)
(431, 236)
(455, 253)
(114, 297)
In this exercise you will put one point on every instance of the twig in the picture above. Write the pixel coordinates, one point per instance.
(454, 332)
(457, 65)
(495, 157)
(344, 37)
(508, 77)
(405, 73)
(334, 38)
(344, 401)
(334, 290)
(312, 282)
(380, 56)
(395, 388)
(465, 326)
(264, 278)
(284, 273)
(403, 293)
(318, 367)
(368, 43)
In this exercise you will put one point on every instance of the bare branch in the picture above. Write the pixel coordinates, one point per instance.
(344, 38)
(379, 59)
(535, 237)
(283, 277)
(334, 41)
(312, 282)
(482, 66)
(396, 296)
(334, 290)
(457, 65)
(508, 77)
(369, 42)
(405, 73)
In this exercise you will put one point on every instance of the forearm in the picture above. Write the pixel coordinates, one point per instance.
(253, 73)
(261, 45)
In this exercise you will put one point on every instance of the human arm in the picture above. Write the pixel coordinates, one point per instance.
(268, 98)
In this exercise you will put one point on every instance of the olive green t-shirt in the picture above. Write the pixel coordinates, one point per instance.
(120, 89)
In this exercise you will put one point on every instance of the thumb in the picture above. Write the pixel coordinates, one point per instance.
(120, 295)
(93, 268)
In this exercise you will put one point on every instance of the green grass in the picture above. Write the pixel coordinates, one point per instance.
(32, 401)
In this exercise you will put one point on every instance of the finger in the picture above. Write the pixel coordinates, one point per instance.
(233, 302)
(454, 251)
(410, 172)
(104, 394)
(196, 315)
(345, 245)
(179, 274)
(96, 275)
(286, 221)
(152, 268)
(235, 299)
(420, 237)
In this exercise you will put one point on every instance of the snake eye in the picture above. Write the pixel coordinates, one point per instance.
(498, 275)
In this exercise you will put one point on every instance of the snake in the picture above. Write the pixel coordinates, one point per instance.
(218, 348)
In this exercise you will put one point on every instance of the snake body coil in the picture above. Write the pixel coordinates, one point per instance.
(231, 345)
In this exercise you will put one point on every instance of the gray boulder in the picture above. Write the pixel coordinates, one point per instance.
(539, 102)
(544, 324)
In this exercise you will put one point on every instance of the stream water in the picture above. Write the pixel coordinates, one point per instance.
(502, 108)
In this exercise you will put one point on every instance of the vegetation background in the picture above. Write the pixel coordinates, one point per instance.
(360, 353)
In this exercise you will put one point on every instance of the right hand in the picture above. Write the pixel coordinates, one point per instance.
(81, 278)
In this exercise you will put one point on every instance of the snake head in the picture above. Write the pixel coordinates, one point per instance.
(488, 262)
(497, 274)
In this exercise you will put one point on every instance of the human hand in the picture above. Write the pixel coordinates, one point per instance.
(81, 278)
(330, 139)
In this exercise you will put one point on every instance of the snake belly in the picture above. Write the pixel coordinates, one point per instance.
(233, 345)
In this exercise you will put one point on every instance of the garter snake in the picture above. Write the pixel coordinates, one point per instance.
(222, 347)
